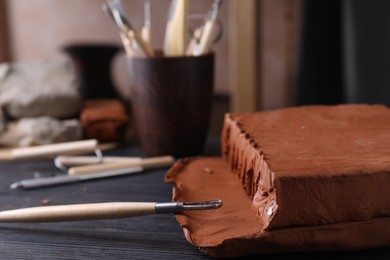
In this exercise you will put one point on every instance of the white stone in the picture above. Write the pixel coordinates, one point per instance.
(41, 130)
(39, 88)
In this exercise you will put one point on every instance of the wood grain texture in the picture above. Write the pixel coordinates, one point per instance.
(147, 237)
(5, 54)
(146, 163)
(171, 103)
(51, 150)
(243, 49)
(277, 32)
(75, 212)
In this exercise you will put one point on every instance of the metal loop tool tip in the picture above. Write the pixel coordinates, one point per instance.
(177, 207)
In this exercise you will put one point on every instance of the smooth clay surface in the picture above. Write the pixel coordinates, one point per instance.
(234, 230)
(313, 165)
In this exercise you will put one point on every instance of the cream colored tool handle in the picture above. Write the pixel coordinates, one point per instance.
(51, 150)
(147, 35)
(79, 212)
(210, 32)
(69, 161)
(146, 30)
(127, 44)
(176, 31)
(194, 41)
(145, 47)
(147, 163)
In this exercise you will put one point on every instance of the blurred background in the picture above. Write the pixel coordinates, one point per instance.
(273, 53)
(252, 29)
(40, 29)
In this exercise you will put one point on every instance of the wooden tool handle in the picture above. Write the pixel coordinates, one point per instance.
(210, 32)
(127, 44)
(51, 150)
(193, 42)
(176, 31)
(79, 212)
(146, 35)
(86, 160)
(157, 162)
(147, 163)
(145, 47)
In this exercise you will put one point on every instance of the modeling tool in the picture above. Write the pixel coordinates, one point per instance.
(68, 161)
(120, 17)
(68, 179)
(176, 31)
(108, 210)
(210, 31)
(146, 30)
(146, 163)
(49, 150)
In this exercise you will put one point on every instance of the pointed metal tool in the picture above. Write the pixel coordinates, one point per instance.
(109, 210)
(121, 20)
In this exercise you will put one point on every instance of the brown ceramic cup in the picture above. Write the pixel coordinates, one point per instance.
(171, 100)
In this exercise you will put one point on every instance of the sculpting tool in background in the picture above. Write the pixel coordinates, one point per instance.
(50, 150)
(68, 161)
(194, 41)
(67, 179)
(92, 172)
(175, 39)
(209, 31)
(146, 30)
(127, 43)
(121, 20)
(145, 164)
(108, 210)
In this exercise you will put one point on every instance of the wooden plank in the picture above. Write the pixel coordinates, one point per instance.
(5, 51)
(277, 31)
(292, 27)
(243, 45)
(148, 237)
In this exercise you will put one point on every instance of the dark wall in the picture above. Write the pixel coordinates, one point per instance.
(343, 52)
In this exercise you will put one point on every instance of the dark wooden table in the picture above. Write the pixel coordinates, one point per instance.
(148, 237)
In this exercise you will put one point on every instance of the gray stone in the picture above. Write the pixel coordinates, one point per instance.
(40, 131)
(39, 88)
